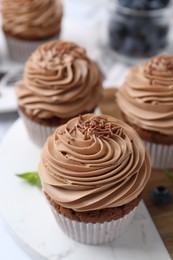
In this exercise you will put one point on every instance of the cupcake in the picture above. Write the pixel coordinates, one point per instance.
(146, 102)
(93, 171)
(59, 83)
(27, 24)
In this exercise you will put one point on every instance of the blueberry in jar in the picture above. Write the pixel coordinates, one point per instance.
(139, 4)
(144, 4)
(117, 32)
(117, 28)
(132, 46)
(124, 3)
(135, 33)
(157, 4)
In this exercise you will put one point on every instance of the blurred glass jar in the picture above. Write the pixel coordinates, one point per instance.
(139, 33)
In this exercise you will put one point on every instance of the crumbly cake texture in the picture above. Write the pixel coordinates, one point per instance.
(96, 216)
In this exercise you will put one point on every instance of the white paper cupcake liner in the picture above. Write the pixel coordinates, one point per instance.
(38, 133)
(93, 234)
(20, 50)
(161, 155)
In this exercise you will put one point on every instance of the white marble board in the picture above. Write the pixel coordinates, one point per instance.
(32, 224)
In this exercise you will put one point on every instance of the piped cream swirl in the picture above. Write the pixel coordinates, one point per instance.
(59, 81)
(146, 97)
(32, 19)
(94, 162)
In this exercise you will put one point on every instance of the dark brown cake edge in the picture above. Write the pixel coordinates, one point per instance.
(151, 136)
(95, 216)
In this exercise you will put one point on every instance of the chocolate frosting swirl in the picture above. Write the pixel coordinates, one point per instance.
(59, 81)
(146, 97)
(32, 19)
(94, 162)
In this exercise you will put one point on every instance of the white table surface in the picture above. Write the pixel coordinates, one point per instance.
(9, 249)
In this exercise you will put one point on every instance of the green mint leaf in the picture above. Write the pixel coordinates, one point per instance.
(31, 178)
(168, 175)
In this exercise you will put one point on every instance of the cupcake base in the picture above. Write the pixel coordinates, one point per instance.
(19, 50)
(39, 130)
(94, 227)
(93, 233)
(38, 133)
(161, 155)
(159, 146)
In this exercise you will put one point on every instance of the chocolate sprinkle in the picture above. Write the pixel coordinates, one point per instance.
(99, 127)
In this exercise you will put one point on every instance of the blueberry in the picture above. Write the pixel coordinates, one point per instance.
(139, 29)
(139, 5)
(132, 46)
(128, 46)
(158, 37)
(161, 195)
(144, 32)
(157, 4)
(133, 4)
(116, 27)
(124, 3)
(162, 31)
(133, 24)
(166, 2)
(115, 42)
(144, 4)
(153, 5)
(117, 32)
